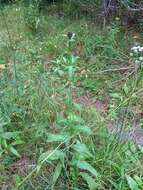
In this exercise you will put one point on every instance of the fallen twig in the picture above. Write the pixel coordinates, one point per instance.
(124, 78)
(117, 69)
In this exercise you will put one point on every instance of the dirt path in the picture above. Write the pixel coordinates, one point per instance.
(134, 133)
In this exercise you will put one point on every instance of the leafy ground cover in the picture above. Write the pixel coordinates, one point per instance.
(71, 103)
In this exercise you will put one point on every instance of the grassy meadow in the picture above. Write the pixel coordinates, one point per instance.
(71, 102)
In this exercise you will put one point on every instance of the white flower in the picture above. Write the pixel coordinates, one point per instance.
(17, 9)
(131, 54)
(141, 49)
(141, 58)
(137, 61)
(135, 50)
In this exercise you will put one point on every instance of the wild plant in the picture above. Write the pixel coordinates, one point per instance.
(32, 15)
(137, 55)
(72, 155)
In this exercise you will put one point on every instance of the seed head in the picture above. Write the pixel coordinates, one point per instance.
(69, 35)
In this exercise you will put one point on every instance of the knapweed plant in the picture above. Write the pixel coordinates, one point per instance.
(70, 157)
(66, 63)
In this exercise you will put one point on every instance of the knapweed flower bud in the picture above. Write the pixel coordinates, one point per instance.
(69, 35)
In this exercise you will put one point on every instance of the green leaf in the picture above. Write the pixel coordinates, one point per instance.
(60, 72)
(86, 166)
(2, 124)
(58, 137)
(38, 167)
(17, 180)
(90, 181)
(57, 173)
(116, 185)
(82, 149)
(77, 106)
(8, 135)
(140, 148)
(71, 71)
(14, 151)
(74, 59)
(132, 183)
(117, 96)
(17, 142)
(138, 180)
(81, 129)
(74, 118)
(51, 155)
(2, 61)
(126, 89)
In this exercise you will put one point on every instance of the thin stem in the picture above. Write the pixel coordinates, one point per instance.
(12, 46)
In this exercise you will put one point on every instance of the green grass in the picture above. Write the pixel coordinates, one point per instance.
(68, 145)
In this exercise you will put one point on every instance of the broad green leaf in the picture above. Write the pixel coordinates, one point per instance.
(58, 137)
(57, 173)
(14, 151)
(62, 121)
(74, 118)
(71, 71)
(17, 179)
(4, 141)
(74, 59)
(90, 181)
(132, 183)
(141, 148)
(8, 135)
(77, 106)
(126, 89)
(65, 60)
(82, 149)
(86, 166)
(17, 142)
(116, 95)
(60, 72)
(139, 180)
(2, 124)
(2, 61)
(51, 155)
(81, 129)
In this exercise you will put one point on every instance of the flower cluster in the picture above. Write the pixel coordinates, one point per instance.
(137, 54)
